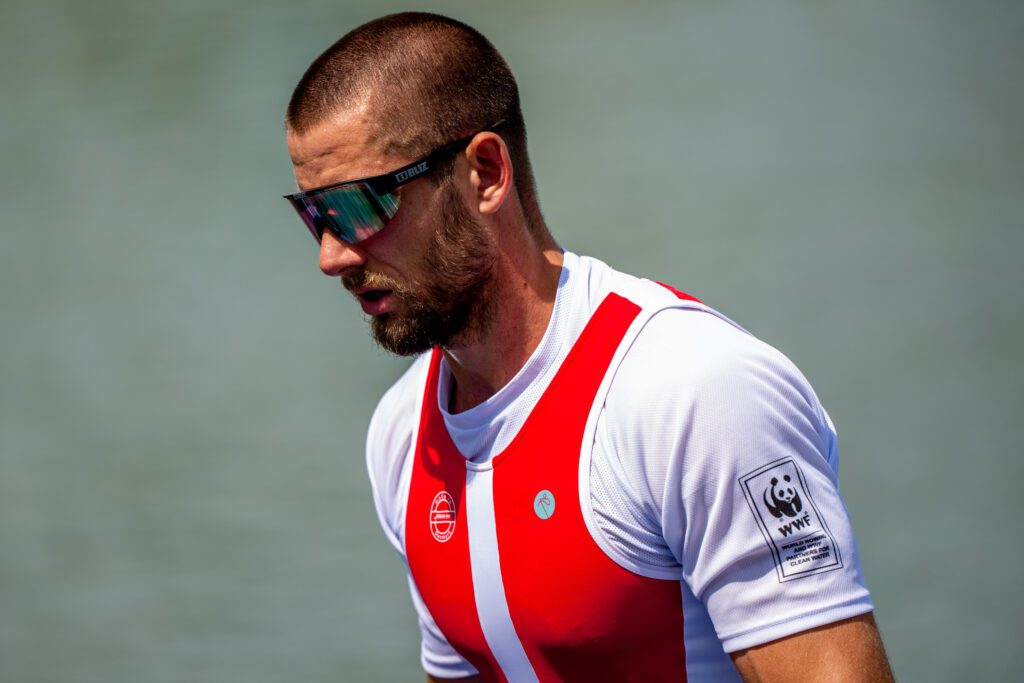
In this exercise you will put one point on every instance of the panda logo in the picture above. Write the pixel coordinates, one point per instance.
(782, 499)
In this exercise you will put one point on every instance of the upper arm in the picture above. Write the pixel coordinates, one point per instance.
(846, 651)
(389, 440)
(727, 422)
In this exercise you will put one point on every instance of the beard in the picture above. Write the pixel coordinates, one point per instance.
(453, 299)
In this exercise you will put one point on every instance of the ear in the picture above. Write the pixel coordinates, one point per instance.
(490, 171)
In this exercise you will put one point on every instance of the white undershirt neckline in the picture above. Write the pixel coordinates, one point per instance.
(487, 429)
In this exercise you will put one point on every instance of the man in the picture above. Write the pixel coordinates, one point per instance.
(590, 476)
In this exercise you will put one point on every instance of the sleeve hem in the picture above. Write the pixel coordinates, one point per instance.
(793, 625)
(456, 668)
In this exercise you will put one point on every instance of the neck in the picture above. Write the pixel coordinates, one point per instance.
(526, 286)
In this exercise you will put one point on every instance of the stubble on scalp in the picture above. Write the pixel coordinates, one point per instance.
(452, 300)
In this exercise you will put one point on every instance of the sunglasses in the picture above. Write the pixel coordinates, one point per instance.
(358, 209)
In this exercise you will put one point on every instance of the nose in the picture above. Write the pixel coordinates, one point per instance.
(337, 256)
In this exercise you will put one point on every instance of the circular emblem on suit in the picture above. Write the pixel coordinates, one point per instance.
(442, 517)
(544, 504)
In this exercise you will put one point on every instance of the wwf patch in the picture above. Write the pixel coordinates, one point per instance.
(798, 536)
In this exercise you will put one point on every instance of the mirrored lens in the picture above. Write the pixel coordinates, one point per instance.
(352, 212)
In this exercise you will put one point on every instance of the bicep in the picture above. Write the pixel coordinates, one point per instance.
(845, 651)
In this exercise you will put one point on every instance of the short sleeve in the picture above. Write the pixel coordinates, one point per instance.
(437, 656)
(739, 462)
(389, 444)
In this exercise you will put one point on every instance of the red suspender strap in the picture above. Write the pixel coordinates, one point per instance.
(436, 538)
(682, 295)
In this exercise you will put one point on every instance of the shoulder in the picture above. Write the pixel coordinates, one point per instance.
(389, 442)
(691, 376)
(394, 419)
(697, 349)
(689, 365)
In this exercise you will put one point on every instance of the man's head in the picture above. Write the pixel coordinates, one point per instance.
(386, 94)
(421, 81)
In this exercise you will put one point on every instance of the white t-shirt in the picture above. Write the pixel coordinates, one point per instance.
(712, 463)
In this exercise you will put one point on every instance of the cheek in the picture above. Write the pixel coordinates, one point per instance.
(396, 239)
(412, 226)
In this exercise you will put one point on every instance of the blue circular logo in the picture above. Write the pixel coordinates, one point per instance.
(544, 504)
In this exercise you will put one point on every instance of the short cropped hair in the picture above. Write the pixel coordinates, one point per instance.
(427, 80)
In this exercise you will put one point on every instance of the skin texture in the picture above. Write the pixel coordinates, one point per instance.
(847, 651)
(524, 270)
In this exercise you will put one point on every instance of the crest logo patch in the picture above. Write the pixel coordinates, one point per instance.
(442, 517)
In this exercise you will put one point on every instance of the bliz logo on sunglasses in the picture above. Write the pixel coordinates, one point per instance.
(410, 172)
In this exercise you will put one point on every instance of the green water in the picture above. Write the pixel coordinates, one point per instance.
(183, 397)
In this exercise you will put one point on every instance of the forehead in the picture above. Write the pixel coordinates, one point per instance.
(347, 146)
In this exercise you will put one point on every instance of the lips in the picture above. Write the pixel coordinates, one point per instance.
(375, 301)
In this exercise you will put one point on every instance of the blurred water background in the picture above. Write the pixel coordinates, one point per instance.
(183, 396)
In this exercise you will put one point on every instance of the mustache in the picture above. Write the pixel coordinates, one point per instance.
(366, 280)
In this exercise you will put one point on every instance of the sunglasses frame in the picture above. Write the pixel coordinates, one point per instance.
(380, 185)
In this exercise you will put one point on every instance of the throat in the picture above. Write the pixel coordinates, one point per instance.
(480, 371)
(483, 363)
(466, 397)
